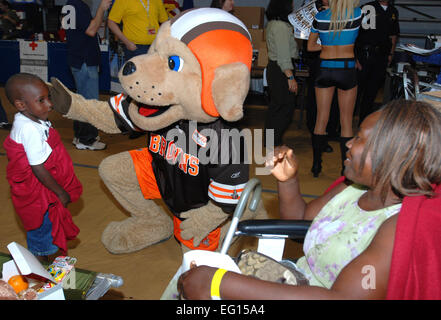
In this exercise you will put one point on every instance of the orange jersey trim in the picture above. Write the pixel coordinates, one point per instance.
(142, 161)
(225, 190)
(216, 195)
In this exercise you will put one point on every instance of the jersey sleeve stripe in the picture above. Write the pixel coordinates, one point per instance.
(222, 198)
(227, 186)
(224, 189)
(228, 193)
(117, 106)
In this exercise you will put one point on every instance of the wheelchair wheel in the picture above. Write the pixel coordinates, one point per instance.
(410, 83)
(396, 88)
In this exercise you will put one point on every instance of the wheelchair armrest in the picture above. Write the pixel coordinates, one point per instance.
(293, 229)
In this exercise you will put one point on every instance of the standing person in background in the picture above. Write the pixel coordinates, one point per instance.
(374, 49)
(83, 56)
(227, 5)
(337, 28)
(282, 86)
(8, 21)
(4, 124)
(312, 60)
(141, 20)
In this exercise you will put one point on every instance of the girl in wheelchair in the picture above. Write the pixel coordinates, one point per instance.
(374, 232)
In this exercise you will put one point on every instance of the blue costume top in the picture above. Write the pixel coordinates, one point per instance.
(328, 37)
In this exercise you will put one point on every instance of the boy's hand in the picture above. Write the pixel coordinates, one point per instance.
(49, 182)
(64, 198)
(59, 96)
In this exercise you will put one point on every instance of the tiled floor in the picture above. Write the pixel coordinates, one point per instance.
(147, 272)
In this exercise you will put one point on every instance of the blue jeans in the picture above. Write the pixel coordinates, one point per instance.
(87, 84)
(40, 240)
(140, 49)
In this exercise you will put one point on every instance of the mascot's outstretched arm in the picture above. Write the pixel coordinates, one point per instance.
(74, 106)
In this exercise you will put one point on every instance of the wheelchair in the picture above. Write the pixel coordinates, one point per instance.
(414, 81)
(271, 233)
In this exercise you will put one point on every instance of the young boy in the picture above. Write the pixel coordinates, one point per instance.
(39, 170)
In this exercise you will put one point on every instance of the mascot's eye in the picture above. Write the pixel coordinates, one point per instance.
(175, 63)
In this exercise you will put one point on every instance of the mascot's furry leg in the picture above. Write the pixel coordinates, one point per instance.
(148, 224)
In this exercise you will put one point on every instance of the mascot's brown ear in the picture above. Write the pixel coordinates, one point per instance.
(229, 88)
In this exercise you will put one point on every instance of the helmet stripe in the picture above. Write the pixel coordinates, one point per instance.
(211, 26)
(188, 20)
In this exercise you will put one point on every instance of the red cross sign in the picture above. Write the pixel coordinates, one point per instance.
(33, 45)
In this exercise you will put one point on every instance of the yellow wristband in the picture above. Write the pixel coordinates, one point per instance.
(215, 284)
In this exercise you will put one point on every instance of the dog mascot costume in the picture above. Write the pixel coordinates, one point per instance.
(195, 76)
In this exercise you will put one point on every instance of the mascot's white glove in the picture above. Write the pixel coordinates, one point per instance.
(200, 222)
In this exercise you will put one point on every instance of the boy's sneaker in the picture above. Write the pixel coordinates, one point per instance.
(77, 140)
(96, 145)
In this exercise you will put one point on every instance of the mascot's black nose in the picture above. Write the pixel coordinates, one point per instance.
(129, 68)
